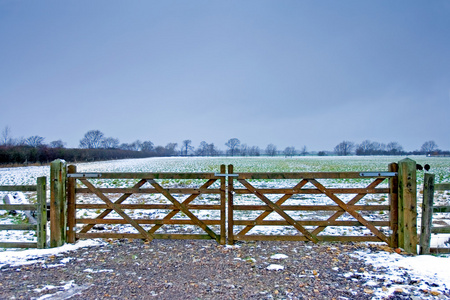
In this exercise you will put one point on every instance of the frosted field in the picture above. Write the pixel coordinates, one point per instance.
(28, 175)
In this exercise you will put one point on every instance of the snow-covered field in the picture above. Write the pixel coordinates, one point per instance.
(427, 268)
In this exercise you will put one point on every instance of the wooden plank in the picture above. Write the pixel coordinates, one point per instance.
(283, 199)
(144, 175)
(277, 209)
(310, 191)
(407, 195)
(186, 202)
(442, 229)
(350, 204)
(440, 250)
(441, 209)
(17, 245)
(321, 238)
(18, 206)
(230, 213)
(350, 211)
(149, 206)
(427, 213)
(183, 208)
(314, 207)
(41, 212)
(393, 203)
(105, 235)
(112, 206)
(118, 201)
(17, 188)
(58, 221)
(442, 187)
(307, 223)
(146, 221)
(71, 202)
(306, 175)
(18, 226)
(223, 203)
(182, 191)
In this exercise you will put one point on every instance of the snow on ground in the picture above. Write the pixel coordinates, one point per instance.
(401, 272)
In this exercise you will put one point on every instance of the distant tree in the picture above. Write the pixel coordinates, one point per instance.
(6, 136)
(186, 147)
(304, 151)
(57, 144)
(394, 148)
(429, 147)
(136, 145)
(147, 146)
(160, 150)
(244, 150)
(344, 148)
(171, 149)
(110, 143)
(35, 141)
(202, 149)
(289, 151)
(233, 144)
(271, 150)
(322, 153)
(212, 151)
(92, 140)
(254, 151)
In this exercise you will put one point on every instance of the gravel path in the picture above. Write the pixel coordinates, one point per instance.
(192, 269)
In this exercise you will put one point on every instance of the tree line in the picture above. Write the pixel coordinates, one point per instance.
(94, 145)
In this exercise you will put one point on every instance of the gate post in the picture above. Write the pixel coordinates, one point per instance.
(407, 205)
(41, 212)
(393, 204)
(58, 203)
(427, 213)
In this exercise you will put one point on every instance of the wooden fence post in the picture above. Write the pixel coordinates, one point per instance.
(58, 203)
(230, 206)
(407, 206)
(223, 213)
(427, 213)
(71, 182)
(393, 203)
(41, 230)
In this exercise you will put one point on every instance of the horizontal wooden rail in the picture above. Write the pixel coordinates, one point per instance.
(107, 235)
(18, 188)
(310, 175)
(315, 191)
(148, 206)
(18, 206)
(314, 207)
(140, 175)
(442, 187)
(320, 238)
(146, 221)
(186, 191)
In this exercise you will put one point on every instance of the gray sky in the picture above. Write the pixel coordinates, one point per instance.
(292, 73)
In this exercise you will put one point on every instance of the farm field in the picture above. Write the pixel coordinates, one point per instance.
(385, 261)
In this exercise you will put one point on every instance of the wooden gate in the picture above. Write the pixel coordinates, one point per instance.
(294, 207)
(145, 205)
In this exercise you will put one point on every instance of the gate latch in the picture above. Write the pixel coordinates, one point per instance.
(378, 174)
(84, 175)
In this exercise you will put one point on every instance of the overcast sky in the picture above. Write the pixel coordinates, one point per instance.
(292, 73)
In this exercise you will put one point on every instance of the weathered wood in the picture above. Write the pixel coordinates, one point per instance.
(316, 191)
(314, 207)
(71, 202)
(18, 226)
(17, 206)
(94, 235)
(58, 203)
(442, 187)
(183, 191)
(306, 175)
(441, 229)
(427, 213)
(441, 209)
(149, 206)
(440, 250)
(320, 238)
(41, 212)
(393, 203)
(141, 175)
(17, 188)
(230, 219)
(307, 223)
(146, 221)
(223, 203)
(17, 245)
(407, 208)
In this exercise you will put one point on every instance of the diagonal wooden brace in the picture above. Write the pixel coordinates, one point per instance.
(113, 206)
(184, 209)
(280, 211)
(283, 199)
(351, 211)
(353, 201)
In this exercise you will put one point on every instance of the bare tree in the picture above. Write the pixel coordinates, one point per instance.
(429, 147)
(304, 151)
(92, 140)
(6, 136)
(289, 151)
(186, 147)
(170, 149)
(147, 146)
(344, 148)
(244, 150)
(57, 144)
(271, 150)
(394, 148)
(110, 143)
(35, 141)
(254, 151)
(233, 144)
